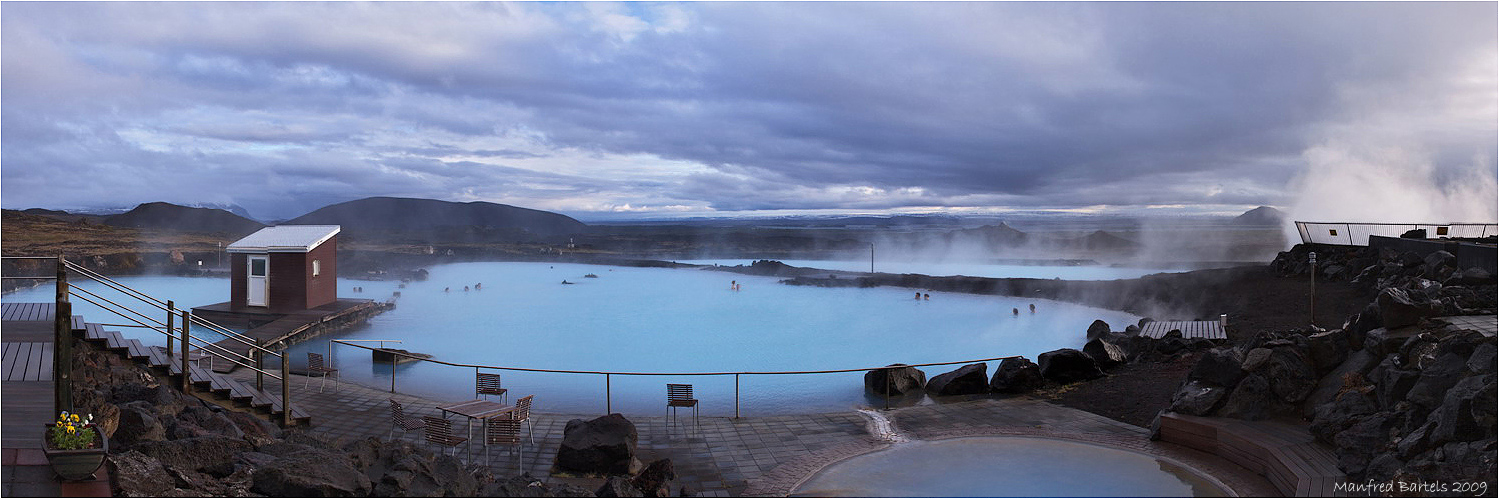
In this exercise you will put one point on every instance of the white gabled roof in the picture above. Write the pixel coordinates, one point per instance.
(285, 239)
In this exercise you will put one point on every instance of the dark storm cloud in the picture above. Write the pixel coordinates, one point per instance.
(733, 106)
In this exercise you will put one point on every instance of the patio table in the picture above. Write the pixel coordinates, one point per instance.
(476, 409)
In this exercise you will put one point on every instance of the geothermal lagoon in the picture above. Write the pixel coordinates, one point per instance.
(656, 320)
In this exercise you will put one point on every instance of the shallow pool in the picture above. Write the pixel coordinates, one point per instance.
(1006, 467)
(659, 320)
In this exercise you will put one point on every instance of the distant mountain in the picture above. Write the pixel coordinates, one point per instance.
(435, 220)
(990, 235)
(173, 217)
(229, 207)
(1100, 240)
(1263, 215)
(44, 211)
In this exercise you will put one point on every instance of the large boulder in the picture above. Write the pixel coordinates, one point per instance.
(138, 423)
(420, 475)
(1249, 400)
(1219, 366)
(1357, 444)
(1357, 365)
(1397, 308)
(1345, 410)
(526, 485)
(255, 430)
(900, 381)
(1197, 398)
(313, 473)
(1467, 411)
(1067, 365)
(1097, 329)
(139, 475)
(1015, 375)
(618, 486)
(1435, 379)
(601, 446)
(1328, 349)
(200, 421)
(1106, 352)
(657, 479)
(966, 380)
(1290, 375)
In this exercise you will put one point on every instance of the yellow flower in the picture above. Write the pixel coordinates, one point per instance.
(75, 418)
(72, 430)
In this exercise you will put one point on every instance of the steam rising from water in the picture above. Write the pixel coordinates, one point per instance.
(1365, 183)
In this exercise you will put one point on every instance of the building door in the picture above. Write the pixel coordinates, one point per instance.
(257, 282)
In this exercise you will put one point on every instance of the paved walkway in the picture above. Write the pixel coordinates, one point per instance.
(766, 455)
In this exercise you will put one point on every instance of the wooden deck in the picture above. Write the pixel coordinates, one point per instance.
(285, 328)
(1190, 329)
(27, 371)
(1284, 453)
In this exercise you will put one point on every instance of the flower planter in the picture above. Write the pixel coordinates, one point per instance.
(79, 464)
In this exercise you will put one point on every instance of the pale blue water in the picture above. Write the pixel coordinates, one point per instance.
(1006, 467)
(1071, 273)
(663, 320)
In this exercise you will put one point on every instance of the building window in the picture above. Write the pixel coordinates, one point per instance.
(317, 268)
(1333, 232)
(1441, 231)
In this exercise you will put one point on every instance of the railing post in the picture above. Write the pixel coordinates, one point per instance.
(888, 374)
(62, 344)
(736, 395)
(259, 365)
(187, 385)
(285, 390)
(608, 396)
(171, 315)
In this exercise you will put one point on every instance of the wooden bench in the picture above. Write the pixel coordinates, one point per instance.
(1285, 454)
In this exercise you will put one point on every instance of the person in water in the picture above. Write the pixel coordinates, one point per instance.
(1033, 308)
(925, 296)
(465, 289)
(478, 286)
(918, 296)
(1015, 311)
(445, 290)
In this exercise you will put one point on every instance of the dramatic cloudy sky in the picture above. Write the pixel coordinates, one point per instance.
(643, 109)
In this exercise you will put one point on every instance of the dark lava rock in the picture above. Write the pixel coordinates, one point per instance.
(421, 475)
(1249, 399)
(200, 421)
(657, 479)
(1328, 349)
(1467, 411)
(1391, 382)
(1067, 365)
(604, 445)
(1397, 308)
(137, 424)
(1341, 413)
(969, 379)
(1197, 398)
(526, 485)
(1219, 366)
(1290, 375)
(1358, 364)
(1015, 375)
(1483, 358)
(311, 474)
(1357, 444)
(196, 452)
(1107, 353)
(618, 486)
(139, 475)
(1097, 329)
(900, 381)
(255, 430)
(1436, 379)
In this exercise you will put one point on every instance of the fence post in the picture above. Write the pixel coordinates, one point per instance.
(259, 365)
(285, 390)
(736, 395)
(62, 344)
(888, 374)
(171, 315)
(608, 397)
(187, 385)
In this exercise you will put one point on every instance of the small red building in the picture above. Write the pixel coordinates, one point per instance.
(286, 268)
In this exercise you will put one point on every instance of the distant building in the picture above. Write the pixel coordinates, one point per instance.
(285, 268)
(1357, 234)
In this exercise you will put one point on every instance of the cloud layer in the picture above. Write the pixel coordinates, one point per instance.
(658, 109)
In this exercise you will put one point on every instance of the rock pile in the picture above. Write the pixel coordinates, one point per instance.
(1397, 395)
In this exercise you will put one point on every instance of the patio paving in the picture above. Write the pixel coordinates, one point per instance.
(762, 455)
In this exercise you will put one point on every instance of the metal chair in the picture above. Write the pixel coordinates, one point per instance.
(502, 431)
(399, 420)
(679, 396)
(487, 384)
(440, 433)
(315, 365)
(522, 412)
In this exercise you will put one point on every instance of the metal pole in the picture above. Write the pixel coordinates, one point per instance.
(62, 344)
(392, 373)
(736, 395)
(608, 397)
(285, 390)
(187, 386)
(171, 315)
(888, 375)
(871, 258)
(1313, 256)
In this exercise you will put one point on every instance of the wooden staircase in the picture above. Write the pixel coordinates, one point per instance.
(207, 383)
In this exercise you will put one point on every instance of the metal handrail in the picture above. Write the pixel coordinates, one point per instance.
(150, 300)
(201, 342)
(147, 317)
(608, 400)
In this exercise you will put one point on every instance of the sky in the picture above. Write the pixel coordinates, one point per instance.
(1332, 111)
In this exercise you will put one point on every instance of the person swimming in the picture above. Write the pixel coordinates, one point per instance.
(445, 290)
(926, 296)
(1015, 311)
(1033, 308)
(918, 296)
(479, 286)
(465, 289)
(564, 281)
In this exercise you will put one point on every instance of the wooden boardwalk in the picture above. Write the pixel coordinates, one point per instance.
(27, 361)
(1190, 329)
(1284, 453)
